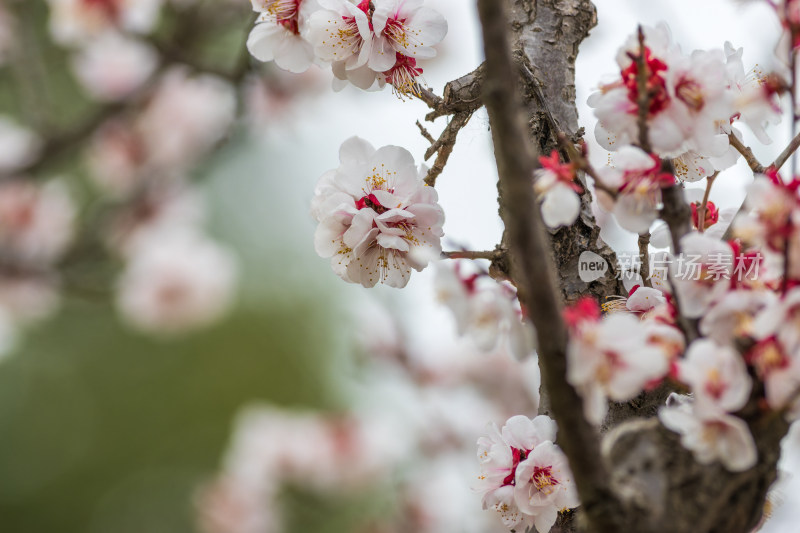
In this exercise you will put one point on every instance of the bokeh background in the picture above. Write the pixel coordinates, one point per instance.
(104, 429)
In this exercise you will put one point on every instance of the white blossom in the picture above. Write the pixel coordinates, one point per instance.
(77, 21)
(20, 145)
(377, 219)
(713, 436)
(612, 359)
(277, 35)
(176, 283)
(112, 66)
(704, 272)
(186, 117)
(717, 375)
(36, 221)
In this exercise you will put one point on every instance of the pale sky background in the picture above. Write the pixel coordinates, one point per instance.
(308, 140)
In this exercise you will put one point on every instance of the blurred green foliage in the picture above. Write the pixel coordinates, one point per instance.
(106, 431)
(103, 430)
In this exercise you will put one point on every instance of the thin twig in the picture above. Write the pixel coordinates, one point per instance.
(443, 147)
(643, 100)
(701, 209)
(425, 133)
(581, 163)
(466, 254)
(793, 145)
(431, 100)
(747, 153)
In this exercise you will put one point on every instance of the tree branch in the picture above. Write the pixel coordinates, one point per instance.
(443, 147)
(792, 147)
(466, 254)
(747, 153)
(533, 269)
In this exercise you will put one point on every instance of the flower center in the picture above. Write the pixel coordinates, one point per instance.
(110, 8)
(403, 76)
(767, 356)
(285, 13)
(715, 387)
(396, 32)
(543, 479)
(690, 93)
(655, 83)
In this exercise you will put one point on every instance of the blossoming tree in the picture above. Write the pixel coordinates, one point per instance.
(708, 349)
(664, 397)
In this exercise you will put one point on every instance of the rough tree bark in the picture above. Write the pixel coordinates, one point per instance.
(645, 481)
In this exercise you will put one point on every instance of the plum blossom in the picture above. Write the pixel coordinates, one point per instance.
(404, 77)
(637, 179)
(711, 436)
(688, 100)
(666, 337)
(112, 66)
(555, 185)
(176, 283)
(20, 145)
(277, 35)
(272, 446)
(525, 478)
(382, 44)
(717, 375)
(778, 368)
(733, 316)
(484, 309)
(544, 485)
(36, 222)
(406, 27)
(703, 274)
(710, 214)
(715, 220)
(643, 299)
(340, 31)
(76, 21)
(781, 318)
(772, 202)
(692, 166)
(116, 158)
(701, 100)
(756, 100)
(186, 117)
(609, 358)
(377, 218)
(228, 506)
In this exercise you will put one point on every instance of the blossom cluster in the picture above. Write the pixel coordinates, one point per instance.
(377, 219)
(483, 309)
(153, 123)
(369, 44)
(693, 102)
(411, 434)
(524, 476)
(176, 278)
(690, 108)
(618, 356)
